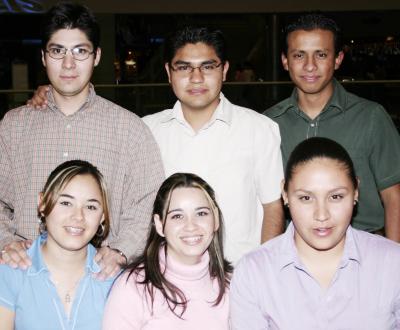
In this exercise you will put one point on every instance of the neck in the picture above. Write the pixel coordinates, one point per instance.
(313, 104)
(198, 117)
(69, 104)
(59, 261)
(321, 264)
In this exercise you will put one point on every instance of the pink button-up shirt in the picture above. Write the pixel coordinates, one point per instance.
(272, 289)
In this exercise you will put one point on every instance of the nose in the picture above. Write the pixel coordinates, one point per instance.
(322, 211)
(190, 223)
(310, 63)
(68, 61)
(78, 213)
(196, 75)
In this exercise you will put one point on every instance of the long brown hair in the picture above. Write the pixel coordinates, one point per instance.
(147, 265)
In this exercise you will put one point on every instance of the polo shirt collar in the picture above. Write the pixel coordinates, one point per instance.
(87, 104)
(223, 112)
(289, 255)
(38, 265)
(338, 100)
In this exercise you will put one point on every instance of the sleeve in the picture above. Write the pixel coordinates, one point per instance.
(144, 176)
(268, 162)
(10, 285)
(7, 193)
(385, 152)
(124, 308)
(245, 313)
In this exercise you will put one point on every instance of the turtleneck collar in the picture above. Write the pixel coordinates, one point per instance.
(180, 271)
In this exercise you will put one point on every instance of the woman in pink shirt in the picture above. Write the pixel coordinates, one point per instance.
(181, 279)
(321, 273)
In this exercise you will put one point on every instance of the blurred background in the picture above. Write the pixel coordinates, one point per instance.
(131, 72)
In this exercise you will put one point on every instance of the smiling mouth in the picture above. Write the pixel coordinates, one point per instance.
(74, 230)
(310, 78)
(192, 240)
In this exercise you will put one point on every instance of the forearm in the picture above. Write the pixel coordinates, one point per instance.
(273, 220)
(391, 202)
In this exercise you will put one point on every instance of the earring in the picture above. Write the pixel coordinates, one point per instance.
(42, 224)
(101, 230)
(355, 201)
(286, 204)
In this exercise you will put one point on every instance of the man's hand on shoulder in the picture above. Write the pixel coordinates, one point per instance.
(14, 254)
(110, 261)
(39, 98)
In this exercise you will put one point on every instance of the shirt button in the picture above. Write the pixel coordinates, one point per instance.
(312, 125)
(65, 154)
(68, 126)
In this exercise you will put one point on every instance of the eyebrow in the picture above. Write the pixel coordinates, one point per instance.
(191, 63)
(332, 190)
(89, 200)
(196, 209)
(62, 46)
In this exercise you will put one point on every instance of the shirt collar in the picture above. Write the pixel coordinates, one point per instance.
(38, 265)
(289, 251)
(223, 112)
(338, 100)
(89, 100)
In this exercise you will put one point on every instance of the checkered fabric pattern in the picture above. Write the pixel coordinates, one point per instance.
(33, 142)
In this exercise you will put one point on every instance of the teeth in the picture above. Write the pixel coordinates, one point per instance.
(192, 239)
(74, 230)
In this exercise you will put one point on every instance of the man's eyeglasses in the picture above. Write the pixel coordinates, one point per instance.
(187, 69)
(78, 53)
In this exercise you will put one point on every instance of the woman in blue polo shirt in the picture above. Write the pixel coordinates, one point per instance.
(59, 290)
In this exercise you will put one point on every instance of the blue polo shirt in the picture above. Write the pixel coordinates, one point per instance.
(34, 299)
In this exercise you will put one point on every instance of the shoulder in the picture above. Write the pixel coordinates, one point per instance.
(376, 248)
(157, 118)
(19, 116)
(277, 109)
(255, 120)
(269, 253)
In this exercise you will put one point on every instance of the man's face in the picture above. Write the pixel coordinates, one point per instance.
(68, 76)
(311, 60)
(197, 91)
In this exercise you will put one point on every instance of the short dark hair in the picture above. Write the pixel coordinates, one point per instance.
(313, 21)
(193, 35)
(66, 15)
(319, 147)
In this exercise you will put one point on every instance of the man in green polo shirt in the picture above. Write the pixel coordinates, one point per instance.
(320, 106)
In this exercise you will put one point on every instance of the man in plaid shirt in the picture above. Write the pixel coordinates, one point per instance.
(76, 124)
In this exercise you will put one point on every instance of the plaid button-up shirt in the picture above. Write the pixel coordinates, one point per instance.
(33, 142)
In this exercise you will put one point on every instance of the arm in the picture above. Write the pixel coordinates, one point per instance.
(269, 175)
(12, 249)
(245, 312)
(391, 202)
(273, 220)
(7, 318)
(143, 178)
(124, 306)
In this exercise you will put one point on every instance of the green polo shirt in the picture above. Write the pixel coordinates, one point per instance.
(367, 132)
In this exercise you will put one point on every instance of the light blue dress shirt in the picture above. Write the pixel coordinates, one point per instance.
(34, 299)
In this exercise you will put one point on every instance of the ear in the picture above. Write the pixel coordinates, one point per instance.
(356, 193)
(166, 65)
(98, 56)
(284, 194)
(338, 60)
(158, 224)
(225, 70)
(39, 201)
(284, 62)
(216, 219)
(43, 58)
